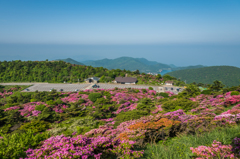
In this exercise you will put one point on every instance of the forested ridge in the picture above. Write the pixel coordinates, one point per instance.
(60, 71)
(228, 75)
(52, 71)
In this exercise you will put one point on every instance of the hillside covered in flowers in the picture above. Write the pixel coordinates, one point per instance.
(119, 123)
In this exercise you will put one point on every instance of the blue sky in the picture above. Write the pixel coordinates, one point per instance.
(95, 29)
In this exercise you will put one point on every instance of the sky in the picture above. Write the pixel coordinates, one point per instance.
(186, 32)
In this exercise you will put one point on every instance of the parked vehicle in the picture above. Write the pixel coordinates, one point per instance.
(61, 90)
(95, 86)
(27, 89)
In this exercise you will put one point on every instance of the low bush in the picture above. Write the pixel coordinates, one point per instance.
(185, 104)
(206, 92)
(79, 125)
(40, 107)
(94, 96)
(165, 95)
(130, 115)
(234, 93)
(35, 126)
(14, 145)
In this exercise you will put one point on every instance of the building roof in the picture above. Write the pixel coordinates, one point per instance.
(126, 79)
(169, 82)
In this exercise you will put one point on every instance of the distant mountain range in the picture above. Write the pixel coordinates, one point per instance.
(228, 75)
(69, 60)
(132, 64)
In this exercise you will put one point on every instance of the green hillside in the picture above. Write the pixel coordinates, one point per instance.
(60, 71)
(129, 63)
(132, 64)
(228, 75)
(69, 60)
(187, 67)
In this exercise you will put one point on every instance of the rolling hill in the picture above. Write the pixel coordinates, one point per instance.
(69, 60)
(129, 63)
(228, 75)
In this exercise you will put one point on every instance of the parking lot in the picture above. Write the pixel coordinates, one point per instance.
(83, 86)
(64, 87)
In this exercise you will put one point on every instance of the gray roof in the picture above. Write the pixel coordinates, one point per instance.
(126, 79)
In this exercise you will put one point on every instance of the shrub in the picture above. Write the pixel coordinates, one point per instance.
(144, 90)
(185, 104)
(51, 102)
(145, 105)
(33, 100)
(104, 111)
(150, 88)
(165, 95)
(79, 125)
(234, 93)
(206, 92)
(40, 107)
(136, 90)
(216, 150)
(94, 96)
(14, 145)
(129, 115)
(36, 126)
(83, 93)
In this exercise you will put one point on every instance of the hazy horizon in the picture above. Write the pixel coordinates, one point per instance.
(175, 32)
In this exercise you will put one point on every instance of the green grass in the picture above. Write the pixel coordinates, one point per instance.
(179, 147)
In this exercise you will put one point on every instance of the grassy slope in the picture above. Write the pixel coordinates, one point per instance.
(228, 75)
(179, 147)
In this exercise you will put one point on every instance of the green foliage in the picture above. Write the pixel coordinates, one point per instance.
(206, 92)
(52, 71)
(229, 75)
(144, 90)
(190, 91)
(94, 96)
(14, 145)
(184, 104)
(40, 107)
(165, 95)
(216, 86)
(35, 126)
(145, 105)
(234, 93)
(79, 125)
(150, 88)
(104, 111)
(129, 115)
(168, 77)
(51, 102)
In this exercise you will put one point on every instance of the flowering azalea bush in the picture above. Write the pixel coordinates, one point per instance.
(216, 150)
(84, 147)
(112, 123)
